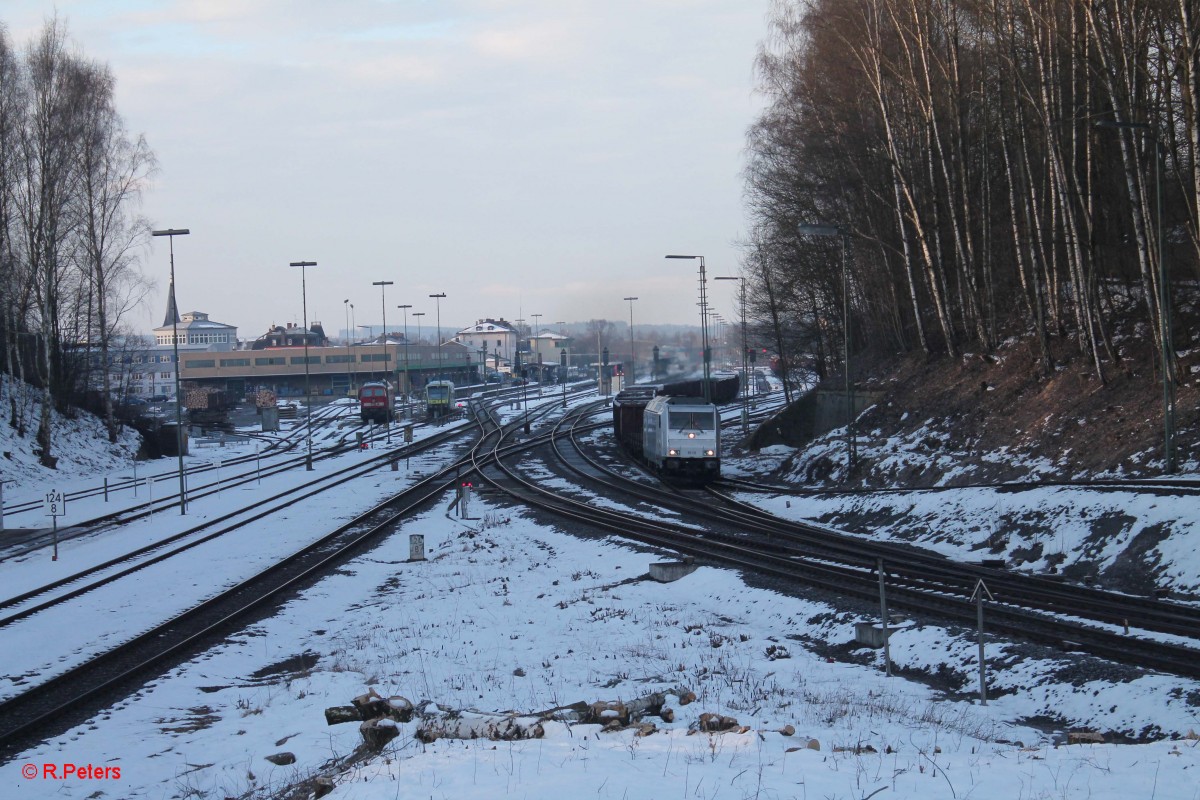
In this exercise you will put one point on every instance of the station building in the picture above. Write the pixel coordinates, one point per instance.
(332, 370)
(211, 355)
(495, 341)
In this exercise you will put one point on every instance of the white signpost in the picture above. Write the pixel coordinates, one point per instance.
(55, 505)
(2, 482)
(977, 597)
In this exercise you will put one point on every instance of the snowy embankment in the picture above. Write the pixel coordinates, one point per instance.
(80, 443)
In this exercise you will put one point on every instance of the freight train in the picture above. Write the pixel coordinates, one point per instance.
(720, 390)
(677, 436)
(375, 402)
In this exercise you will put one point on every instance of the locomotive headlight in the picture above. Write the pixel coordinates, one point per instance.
(672, 452)
(709, 453)
(691, 436)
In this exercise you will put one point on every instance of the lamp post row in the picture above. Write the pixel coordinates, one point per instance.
(171, 233)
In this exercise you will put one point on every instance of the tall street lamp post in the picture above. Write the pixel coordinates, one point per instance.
(418, 315)
(354, 356)
(703, 327)
(844, 234)
(387, 416)
(525, 395)
(599, 368)
(437, 298)
(171, 233)
(562, 373)
(632, 354)
(537, 348)
(303, 265)
(1164, 294)
(407, 378)
(722, 346)
(347, 305)
(383, 308)
(745, 351)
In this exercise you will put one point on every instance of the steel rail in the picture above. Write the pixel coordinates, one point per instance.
(861, 581)
(53, 699)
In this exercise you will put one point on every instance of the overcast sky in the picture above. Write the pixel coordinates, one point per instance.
(522, 156)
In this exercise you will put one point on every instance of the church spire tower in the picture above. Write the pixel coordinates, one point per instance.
(172, 316)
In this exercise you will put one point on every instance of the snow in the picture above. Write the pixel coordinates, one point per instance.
(513, 614)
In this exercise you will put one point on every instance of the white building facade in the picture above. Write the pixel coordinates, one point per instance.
(497, 336)
(152, 371)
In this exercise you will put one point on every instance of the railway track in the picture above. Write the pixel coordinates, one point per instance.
(63, 697)
(342, 441)
(739, 537)
(1027, 608)
(26, 604)
(1158, 486)
(289, 441)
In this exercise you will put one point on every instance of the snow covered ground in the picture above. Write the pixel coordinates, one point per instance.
(514, 615)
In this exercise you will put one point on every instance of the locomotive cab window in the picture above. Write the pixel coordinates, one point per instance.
(692, 420)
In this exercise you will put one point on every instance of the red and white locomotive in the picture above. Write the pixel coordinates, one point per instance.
(375, 402)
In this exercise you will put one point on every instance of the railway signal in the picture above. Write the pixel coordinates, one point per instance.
(464, 499)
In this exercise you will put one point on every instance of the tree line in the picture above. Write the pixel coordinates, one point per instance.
(991, 167)
(71, 180)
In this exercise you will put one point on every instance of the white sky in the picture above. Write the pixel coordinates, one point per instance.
(522, 156)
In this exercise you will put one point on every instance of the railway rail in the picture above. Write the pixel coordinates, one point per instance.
(56, 699)
(1029, 608)
(36, 539)
(1160, 486)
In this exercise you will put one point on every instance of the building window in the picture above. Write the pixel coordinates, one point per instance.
(270, 362)
(301, 359)
(235, 362)
(200, 363)
(377, 357)
(342, 359)
(164, 375)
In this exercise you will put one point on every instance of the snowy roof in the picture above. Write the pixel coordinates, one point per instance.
(488, 326)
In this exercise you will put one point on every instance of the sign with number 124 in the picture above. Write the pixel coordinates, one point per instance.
(55, 503)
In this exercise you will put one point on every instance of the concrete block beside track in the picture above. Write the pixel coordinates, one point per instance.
(668, 571)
